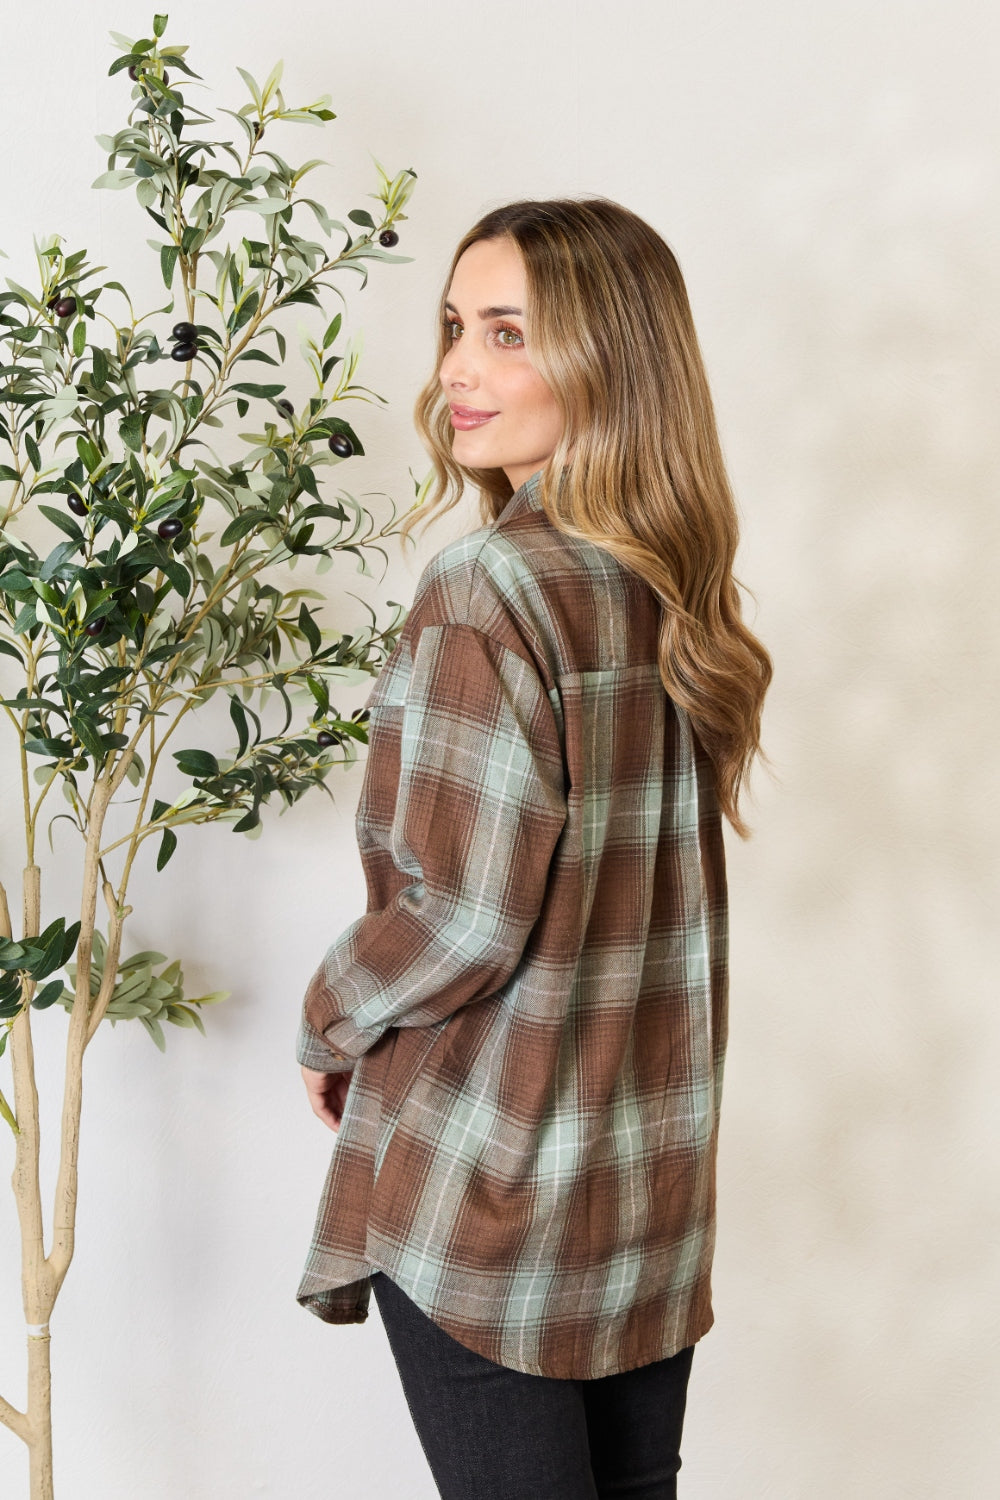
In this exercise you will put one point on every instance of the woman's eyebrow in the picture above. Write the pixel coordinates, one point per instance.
(490, 312)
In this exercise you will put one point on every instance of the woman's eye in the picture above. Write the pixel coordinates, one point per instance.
(513, 342)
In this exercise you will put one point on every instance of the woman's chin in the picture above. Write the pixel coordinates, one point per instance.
(475, 455)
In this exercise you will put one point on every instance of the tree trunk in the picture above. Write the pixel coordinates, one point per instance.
(41, 1275)
(40, 1412)
(37, 1284)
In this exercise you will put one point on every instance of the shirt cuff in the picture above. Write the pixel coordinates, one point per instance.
(313, 1051)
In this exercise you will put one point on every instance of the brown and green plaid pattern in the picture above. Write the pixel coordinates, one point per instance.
(534, 1002)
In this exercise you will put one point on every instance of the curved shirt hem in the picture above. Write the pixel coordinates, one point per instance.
(348, 1301)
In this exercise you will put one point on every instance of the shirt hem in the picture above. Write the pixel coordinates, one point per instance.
(348, 1301)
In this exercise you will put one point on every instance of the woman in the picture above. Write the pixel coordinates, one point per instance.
(524, 1034)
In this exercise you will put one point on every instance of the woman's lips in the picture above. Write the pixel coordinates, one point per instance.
(467, 417)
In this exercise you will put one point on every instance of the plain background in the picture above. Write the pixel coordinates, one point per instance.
(827, 176)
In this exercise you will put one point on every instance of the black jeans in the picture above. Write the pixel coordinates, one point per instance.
(490, 1433)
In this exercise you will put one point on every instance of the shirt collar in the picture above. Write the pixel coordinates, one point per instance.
(525, 497)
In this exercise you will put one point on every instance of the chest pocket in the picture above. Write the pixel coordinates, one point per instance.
(389, 690)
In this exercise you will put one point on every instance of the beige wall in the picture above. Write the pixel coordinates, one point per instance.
(828, 178)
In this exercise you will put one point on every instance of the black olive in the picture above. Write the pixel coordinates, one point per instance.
(133, 73)
(388, 238)
(186, 332)
(170, 528)
(341, 445)
(286, 407)
(93, 627)
(52, 301)
(325, 738)
(64, 306)
(77, 506)
(184, 351)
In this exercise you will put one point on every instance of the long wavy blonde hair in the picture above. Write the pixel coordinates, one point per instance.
(608, 326)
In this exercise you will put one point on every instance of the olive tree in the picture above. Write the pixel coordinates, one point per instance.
(141, 574)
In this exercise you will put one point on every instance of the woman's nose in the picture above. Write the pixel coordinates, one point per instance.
(458, 366)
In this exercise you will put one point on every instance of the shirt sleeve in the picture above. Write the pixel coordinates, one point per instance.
(313, 1052)
(479, 807)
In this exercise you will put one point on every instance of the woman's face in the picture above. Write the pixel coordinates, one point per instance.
(515, 421)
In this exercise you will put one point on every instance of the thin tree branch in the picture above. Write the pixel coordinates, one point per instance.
(16, 1420)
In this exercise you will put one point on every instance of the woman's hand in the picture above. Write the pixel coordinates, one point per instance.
(327, 1094)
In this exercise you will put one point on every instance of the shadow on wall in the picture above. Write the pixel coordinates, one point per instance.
(864, 1003)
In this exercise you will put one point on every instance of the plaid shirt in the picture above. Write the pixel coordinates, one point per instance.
(534, 1002)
